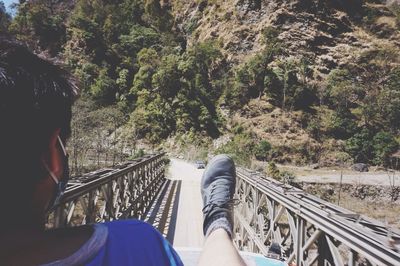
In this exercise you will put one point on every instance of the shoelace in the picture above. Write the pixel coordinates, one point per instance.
(217, 200)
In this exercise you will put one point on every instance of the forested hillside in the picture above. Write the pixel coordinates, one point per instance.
(293, 81)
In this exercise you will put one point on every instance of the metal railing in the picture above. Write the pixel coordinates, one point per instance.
(110, 194)
(308, 230)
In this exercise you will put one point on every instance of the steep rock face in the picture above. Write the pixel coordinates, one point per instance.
(330, 33)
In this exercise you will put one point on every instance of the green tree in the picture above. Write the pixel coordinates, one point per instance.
(255, 78)
(5, 18)
(360, 146)
(286, 74)
(138, 38)
(166, 80)
(81, 134)
(341, 90)
(86, 73)
(262, 150)
(236, 93)
(123, 81)
(158, 15)
(251, 80)
(384, 144)
(389, 101)
(240, 147)
(296, 93)
(104, 88)
(38, 24)
(148, 61)
(153, 120)
(85, 41)
(272, 42)
(112, 118)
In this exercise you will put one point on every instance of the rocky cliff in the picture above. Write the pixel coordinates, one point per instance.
(331, 33)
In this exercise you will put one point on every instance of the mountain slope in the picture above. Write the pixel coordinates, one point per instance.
(331, 33)
(358, 37)
(295, 81)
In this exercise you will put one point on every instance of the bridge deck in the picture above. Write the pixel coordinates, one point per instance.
(189, 232)
(176, 211)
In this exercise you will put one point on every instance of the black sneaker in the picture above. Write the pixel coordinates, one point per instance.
(217, 189)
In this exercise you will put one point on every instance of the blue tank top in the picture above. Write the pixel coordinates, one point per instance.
(124, 242)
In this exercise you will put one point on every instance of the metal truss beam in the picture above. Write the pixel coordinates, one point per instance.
(111, 194)
(309, 231)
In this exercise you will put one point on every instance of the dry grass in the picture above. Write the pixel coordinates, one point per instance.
(390, 21)
(374, 202)
(386, 212)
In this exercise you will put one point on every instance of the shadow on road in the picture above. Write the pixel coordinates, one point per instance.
(163, 212)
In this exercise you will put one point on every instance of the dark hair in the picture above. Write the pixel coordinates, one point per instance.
(35, 99)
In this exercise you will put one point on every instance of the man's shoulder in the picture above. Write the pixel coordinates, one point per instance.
(133, 242)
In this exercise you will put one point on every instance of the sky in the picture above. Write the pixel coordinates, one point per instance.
(7, 3)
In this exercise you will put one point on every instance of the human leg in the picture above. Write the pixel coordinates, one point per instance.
(217, 188)
(219, 250)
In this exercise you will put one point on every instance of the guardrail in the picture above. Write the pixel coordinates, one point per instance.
(109, 194)
(308, 230)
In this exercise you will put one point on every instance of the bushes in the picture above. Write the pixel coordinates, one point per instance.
(296, 93)
(383, 145)
(273, 171)
(360, 146)
(363, 112)
(167, 161)
(138, 38)
(262, 150)
(140, 153)
(341, 90)
(244, 146)
(103, 88)
(283, 176)
(369, 148)
(341, 125)
(285, 84)
(176, 93)
(191, 25)
(287, 177)
(241, 147)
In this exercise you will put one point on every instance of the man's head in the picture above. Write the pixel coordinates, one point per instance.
(35, 109)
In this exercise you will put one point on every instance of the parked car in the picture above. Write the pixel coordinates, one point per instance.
(200, 164)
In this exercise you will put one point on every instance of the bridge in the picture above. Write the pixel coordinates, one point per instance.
(308, 230)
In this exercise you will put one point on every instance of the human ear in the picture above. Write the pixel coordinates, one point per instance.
(53, 154)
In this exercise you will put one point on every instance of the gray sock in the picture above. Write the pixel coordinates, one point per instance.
(221, 222)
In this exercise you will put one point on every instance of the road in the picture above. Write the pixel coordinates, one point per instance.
(189, 232)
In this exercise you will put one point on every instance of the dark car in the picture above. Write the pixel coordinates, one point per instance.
(200, 164)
